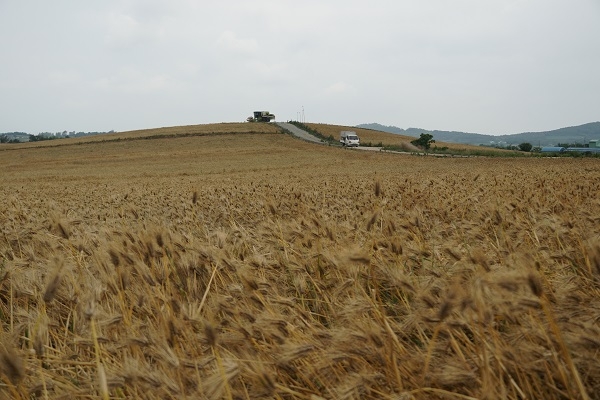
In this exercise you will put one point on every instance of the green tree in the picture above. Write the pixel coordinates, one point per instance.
(525, 146)
(424, 141)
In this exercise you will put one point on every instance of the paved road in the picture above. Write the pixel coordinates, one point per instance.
(302, 134)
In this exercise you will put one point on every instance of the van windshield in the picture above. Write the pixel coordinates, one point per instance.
(353, 137)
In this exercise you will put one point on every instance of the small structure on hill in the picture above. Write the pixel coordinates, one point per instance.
(261, 116)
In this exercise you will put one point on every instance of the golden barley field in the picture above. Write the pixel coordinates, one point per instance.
(243, 264)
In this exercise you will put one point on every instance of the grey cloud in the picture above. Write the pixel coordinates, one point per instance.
(490, 67)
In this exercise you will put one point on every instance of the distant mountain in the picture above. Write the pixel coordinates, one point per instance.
(574, 134)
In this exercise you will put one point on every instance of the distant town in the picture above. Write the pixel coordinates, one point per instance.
(20, 137)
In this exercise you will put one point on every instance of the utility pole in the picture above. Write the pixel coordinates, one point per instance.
(303, 119)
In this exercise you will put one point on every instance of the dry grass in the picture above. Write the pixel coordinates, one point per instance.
(259, 266)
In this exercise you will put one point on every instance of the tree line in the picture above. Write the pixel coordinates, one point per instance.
(425, 140)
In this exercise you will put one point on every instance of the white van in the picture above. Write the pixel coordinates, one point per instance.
(349, 138)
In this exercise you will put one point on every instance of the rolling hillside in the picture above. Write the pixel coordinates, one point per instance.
(368, 136)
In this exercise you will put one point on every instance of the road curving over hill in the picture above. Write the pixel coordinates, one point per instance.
(304, 135)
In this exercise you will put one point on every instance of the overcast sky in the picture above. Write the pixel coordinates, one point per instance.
(485, 66)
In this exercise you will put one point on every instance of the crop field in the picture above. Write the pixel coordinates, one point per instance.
(241, 263)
